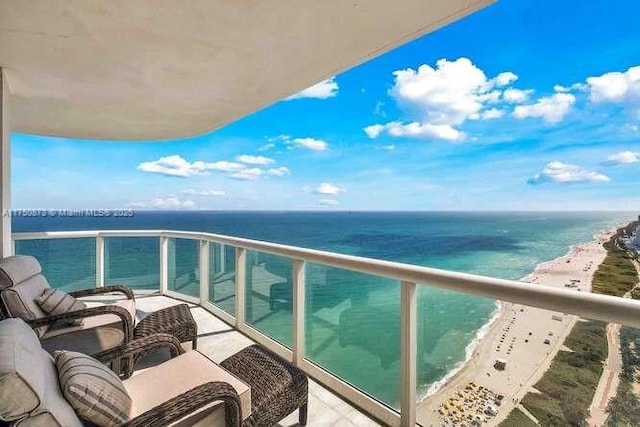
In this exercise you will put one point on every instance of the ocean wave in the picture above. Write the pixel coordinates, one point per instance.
(469, 350)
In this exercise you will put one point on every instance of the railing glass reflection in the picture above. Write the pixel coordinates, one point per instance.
(132, 261)
(222, 277)
(352, 327)
(54, 257)
(269, 295)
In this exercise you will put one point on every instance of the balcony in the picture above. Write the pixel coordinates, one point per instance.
(325, 312)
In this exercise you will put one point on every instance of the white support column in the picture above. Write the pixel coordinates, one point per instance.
(6, 246)
(223, 260)
(408, 350)
(100, 261)
(204, 271)
(164, 264)
(298, 311)
(241, 275)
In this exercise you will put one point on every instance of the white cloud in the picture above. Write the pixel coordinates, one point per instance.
(173, 166)
(374, 131)
(247, 174)
(504, 79)
(441, 99)
(622, 158)
(516, 96)
(254, 160)
(616, 87)
(327, 203)
(551, 109)
(425, 130)
(170, 203)
(224, 166)
(204, 193)
(562, 173)
(311, 144)
(281, 171)
(267, 146)
(386, 147)
(328, 188)
(323, 90)
(447, 94)
(493, 113)
(177, 166)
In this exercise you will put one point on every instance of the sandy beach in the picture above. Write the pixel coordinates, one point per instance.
(526, 339)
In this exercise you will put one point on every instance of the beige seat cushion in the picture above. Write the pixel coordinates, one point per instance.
(28, 380)
(156, 385)
(95, 321)
(96, 334)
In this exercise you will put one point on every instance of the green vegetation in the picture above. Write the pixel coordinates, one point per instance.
(617, 274)
(517, 418)
(567, 388)
(624, 409)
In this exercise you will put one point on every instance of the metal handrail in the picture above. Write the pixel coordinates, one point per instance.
(594, 306)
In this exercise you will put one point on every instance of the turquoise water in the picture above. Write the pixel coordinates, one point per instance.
(353, 320)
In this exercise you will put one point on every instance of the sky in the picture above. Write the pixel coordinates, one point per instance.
(524, 105)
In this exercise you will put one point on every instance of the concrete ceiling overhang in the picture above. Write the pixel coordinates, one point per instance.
(163, 69)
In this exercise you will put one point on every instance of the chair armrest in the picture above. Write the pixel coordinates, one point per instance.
(127, 321)
(104, 290)
(190, 401)
(137, 348)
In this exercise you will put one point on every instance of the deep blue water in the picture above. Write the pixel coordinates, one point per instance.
(352, 319)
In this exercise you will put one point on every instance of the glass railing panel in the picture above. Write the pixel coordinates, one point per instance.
(353, 329)
(132, 261)
(269, 295)
(68, 264)
(222, 277)
(183, 266)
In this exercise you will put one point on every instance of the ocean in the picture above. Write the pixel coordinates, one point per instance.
(353, 319)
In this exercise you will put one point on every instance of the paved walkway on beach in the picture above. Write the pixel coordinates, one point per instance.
(609, 381)
(608, 384)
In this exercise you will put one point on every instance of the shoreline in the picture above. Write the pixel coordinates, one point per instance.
(581, 261)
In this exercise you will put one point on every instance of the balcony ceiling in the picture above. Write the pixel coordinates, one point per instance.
(161, 69)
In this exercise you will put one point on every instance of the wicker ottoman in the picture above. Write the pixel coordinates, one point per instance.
(277, 387)
(175, 320)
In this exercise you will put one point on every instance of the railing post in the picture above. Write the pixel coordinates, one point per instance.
(241, 274)
(164, 264)
(223, 268)
(298, 311)
(6, 249)
(204, 271)
(408, 354)
(100, 261)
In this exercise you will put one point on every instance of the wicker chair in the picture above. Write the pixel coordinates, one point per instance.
(166, 394)
(104, 327)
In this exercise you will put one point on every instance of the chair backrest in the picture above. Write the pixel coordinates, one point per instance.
(21, 282)
(29, 391)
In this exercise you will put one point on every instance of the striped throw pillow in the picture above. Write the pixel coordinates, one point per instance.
(92, 389)
(55, 301)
